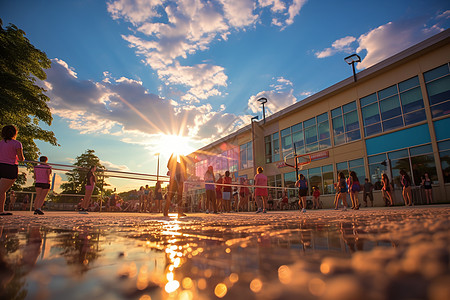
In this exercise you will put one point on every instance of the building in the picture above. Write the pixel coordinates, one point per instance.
(396, 115)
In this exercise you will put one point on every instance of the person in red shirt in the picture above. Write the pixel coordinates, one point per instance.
(261, 191)
(316, 196)
(219, 199)
(244, 193)
(227, 191)
(42, 174)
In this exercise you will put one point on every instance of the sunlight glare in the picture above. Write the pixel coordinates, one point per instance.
(179, 145)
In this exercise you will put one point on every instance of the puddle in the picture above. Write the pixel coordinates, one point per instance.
(376, 254)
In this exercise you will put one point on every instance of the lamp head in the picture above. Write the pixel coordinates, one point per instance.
(354, 58)
(262, 100)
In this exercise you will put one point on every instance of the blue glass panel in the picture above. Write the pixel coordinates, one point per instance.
(339, 139)
(387, 92)
(408, 84)
(275, 136)
(356, 163)
(444, 145)
(349, 107)
(351, 121)
(327, 168)
(371, 114)
(286, 131)
(324, 130)
(352, 136)
(309, 122)
(341, 166)
(390, 108)
(441, 109)
(398, 154)
(439, 90)
(297, 127)
(311, 134)
(441, 129)
(415, 117)
(312, 147)
(412, 100)
(368, 99)
(377, 158)
(338, 126)
(336, 112)
(372, 129)
(409, 137)
(393, 123)
(323, 117)
(436, 73)
(323, 144)
(425, 149)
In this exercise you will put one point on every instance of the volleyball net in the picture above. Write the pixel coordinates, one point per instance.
(127, 185)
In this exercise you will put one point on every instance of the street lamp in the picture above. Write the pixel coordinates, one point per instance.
(253, 142)
(263, 101)
(157, 170)
(351, 60)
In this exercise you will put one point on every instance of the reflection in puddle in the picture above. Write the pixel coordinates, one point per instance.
(228, 256)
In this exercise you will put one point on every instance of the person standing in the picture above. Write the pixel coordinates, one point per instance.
(302, 185)
(42, 175)
(406, 191)
(227, 191)
(342, 190)
(354, 188)
(177, 171)
(261, 191)
(244, 194)
(368, 191)
(89, 188)
(316, 198)
(158, 196)
(210, 189)
(387, 188)
(12, 200)
(427, 186)
(219, 200)
(11, 152)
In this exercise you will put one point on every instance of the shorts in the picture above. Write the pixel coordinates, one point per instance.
(44, 186)
(89, 187)
(9, 171)
(226, 196)
(427, 187)
(302, 192)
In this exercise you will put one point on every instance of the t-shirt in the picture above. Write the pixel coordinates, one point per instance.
(209, 178)
(8, 151)
(227, 180)
(42, 173)
(261, 180)
(368, 187)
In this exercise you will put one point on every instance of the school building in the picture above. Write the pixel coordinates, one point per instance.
(396, 115)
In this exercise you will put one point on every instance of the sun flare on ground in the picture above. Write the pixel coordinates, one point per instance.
(179, 145)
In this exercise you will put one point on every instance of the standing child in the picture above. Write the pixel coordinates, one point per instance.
(387, 190)
(342, 190)
(302, 185)
(354, 188)
(316, 198)
(42, 174)
(227, 191)
(406, 192)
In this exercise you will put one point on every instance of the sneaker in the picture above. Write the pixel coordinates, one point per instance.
(304, 210)
(264, 211)
(38, 212)
(83, 212)
(259, 211)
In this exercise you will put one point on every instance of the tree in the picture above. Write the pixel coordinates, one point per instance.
(77, 176)
(22, 102)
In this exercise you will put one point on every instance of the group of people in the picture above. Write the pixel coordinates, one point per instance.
(149, 201)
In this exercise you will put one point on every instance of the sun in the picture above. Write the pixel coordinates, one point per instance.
(176, 144)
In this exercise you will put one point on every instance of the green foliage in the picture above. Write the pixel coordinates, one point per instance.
(77, 176)
(22, 102)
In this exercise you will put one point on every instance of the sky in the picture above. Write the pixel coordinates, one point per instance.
(134, 78)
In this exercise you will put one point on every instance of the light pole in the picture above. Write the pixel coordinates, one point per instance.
(253, 143)
(263, 101)
(351, 60)
(157, 169)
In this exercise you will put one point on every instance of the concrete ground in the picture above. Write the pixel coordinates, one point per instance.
(372, 253)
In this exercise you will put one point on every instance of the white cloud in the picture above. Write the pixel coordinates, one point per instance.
(386, 40)
(123, 106)
(163, 32)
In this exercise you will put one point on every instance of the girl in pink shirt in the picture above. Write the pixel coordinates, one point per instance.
(42, 173)
(261, 191)
(10, 154)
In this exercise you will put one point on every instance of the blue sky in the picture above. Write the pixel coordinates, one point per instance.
(133, 78)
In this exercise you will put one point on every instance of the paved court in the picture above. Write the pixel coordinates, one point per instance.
(373, 253)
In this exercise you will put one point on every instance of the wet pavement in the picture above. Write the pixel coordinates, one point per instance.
(373, 253)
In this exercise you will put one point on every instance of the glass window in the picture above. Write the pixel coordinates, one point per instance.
(408, 84)
(289, 182)
(328, 180)
(444, 153)
(346, 126)
(371, 114)
(412, 100)
(368, 99)
(387, 92)
(336, 112)
(272, 148)
(390, 108)
(315, 179)
(246, 156)
(377, 166)
(438, 89)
